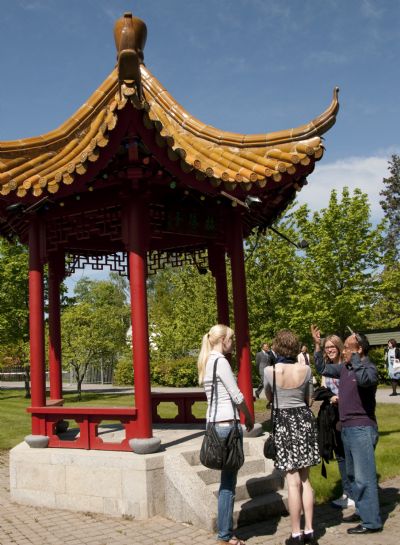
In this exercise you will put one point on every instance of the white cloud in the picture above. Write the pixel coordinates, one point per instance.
(371, 10)
(365, 173)
(325, 56)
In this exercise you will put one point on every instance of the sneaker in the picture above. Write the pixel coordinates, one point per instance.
(354, 517)
(343, 502)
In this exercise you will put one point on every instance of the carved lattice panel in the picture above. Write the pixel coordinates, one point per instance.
(84, 225)
(156, 260)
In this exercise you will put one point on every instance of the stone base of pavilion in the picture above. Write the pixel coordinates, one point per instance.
(169, 483)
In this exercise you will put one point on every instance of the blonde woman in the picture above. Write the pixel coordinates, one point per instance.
(216, 343)
(332, 354)
(295, 431)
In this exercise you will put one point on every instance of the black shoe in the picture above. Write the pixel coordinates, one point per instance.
(355, 517)
(257, 395)
(360, 529)
(309, 538)
(393, 394)
(298, 540)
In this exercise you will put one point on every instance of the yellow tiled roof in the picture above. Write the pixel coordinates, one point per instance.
(44, 163)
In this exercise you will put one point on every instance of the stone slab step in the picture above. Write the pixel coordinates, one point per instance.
(260, 508)
(193, 457)
(250, 486)
(252, 465)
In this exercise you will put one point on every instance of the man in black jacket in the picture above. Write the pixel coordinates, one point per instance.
(263, 359)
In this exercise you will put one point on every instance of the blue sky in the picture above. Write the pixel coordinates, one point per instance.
(242, 65)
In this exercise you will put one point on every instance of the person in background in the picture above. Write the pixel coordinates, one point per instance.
(392, 352)
(332, 353)
(357, 390)
(215, 344)
(294, 431)
(263, 359)
(303, 357)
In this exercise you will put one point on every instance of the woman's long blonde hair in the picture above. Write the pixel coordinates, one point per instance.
(210, 339)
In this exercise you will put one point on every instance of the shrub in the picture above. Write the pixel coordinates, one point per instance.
(123, 373)
(378, 357)
(179, 372)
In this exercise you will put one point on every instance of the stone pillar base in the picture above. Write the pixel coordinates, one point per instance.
(255, 432)
(145, 446)
(37, 441)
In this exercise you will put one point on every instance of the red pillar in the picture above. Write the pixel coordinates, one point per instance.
(240, 310)
(36, 319)
(216, 261)
(56, 272)
(138, 236)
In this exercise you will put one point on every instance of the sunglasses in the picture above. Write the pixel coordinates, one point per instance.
(357, 336)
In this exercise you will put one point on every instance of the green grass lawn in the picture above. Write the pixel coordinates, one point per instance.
(16, 424)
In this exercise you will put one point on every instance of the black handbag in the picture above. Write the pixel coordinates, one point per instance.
(217, 453)
(269, 445)
(212, 452)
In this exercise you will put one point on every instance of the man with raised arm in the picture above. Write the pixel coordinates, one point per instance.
(357, 389)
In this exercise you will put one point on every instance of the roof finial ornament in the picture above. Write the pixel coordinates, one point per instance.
(130, 35)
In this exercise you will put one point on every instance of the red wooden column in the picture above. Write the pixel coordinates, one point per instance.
(56, 273)
(216, 261)
(138, 240)
(240, 310)
(36, 319)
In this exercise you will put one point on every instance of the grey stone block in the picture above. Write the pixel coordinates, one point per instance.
(37, 441)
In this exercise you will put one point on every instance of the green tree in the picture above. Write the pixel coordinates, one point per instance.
(386, 312)
(391, 207)
(14, 310)
(387, 307)
(338, 277)
(181, 309)
(94, 328)
(272, 266)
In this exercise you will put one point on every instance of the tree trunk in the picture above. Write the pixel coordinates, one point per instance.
(79, 388)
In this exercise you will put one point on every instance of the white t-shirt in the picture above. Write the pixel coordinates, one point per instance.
(227, 389)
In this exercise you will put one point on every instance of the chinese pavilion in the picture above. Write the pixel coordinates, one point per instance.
(133, 181)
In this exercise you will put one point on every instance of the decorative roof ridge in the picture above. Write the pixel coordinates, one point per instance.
(72, 127)
(159, 94)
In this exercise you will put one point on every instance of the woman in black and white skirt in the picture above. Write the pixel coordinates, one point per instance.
(295, 431)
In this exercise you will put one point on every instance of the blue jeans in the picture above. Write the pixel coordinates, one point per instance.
(359, 447)
(346, 485)
(226, 495)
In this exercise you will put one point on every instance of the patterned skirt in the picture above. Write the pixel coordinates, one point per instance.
(295, 439)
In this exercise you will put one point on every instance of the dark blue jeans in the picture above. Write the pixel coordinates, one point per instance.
(346, 485)
(359, 446)
(226, 495)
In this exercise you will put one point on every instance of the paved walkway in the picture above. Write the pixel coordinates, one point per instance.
(22, 525)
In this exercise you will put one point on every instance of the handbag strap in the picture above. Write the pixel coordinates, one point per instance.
(215, 388)
(274, 398)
